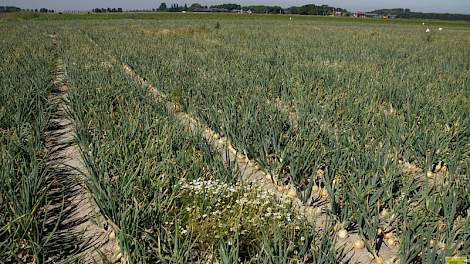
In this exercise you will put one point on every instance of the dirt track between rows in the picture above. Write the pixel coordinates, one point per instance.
(85, 219)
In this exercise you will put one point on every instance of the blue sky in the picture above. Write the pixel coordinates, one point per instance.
(453, 6)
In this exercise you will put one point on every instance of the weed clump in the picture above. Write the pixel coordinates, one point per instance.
(241, 216)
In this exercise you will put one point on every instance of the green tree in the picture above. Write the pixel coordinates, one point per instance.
(163, 7)
(227, 6)
(195, 7)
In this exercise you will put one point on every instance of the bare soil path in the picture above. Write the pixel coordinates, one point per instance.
(64, 155)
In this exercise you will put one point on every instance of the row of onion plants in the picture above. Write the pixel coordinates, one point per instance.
(33, 190)
(164, 190)
(359, 119)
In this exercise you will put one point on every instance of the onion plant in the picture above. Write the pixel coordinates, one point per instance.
(139, 160)
(34, 188)
(367, 100)
(363, 109)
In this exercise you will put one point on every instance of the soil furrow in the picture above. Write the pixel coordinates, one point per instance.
(65, 156)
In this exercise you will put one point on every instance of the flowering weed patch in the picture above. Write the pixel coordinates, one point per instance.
(246, 218)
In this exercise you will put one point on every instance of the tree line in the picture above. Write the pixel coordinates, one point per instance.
(17, 9)
(9, 9)
(107, 10)
(407, 13)
(310, 9)
(316, 10)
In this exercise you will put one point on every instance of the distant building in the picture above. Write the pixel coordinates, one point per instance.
(339, 13)
(358, 14)
(241, 11)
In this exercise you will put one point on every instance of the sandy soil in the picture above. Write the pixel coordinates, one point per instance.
(67, 156)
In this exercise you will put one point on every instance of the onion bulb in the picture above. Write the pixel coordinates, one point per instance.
(379, 260)
(379, 231)
(338, 226)
(388, 235)
(117, 257)
(343, 234)
(358, 244)
(391, 241)
(315, 189)
(112, 235)
(291, 193)
(385, 213)
(442, 246)
(444, 168)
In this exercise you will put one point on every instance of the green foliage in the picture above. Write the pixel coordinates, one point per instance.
(228, 6)
(356, 117)
(33, 223)
(162, 7)
(312, 9)
(139, 160)
(15, 16)
(407, 13)
(345, 107)
(195, 7)
(9, 9)
(217, 210)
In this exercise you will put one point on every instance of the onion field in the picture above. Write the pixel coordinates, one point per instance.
(234, 139)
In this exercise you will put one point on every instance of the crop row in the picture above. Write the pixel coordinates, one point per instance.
(363, 109)
(252, 174)
(160, 186)
(33, 189)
